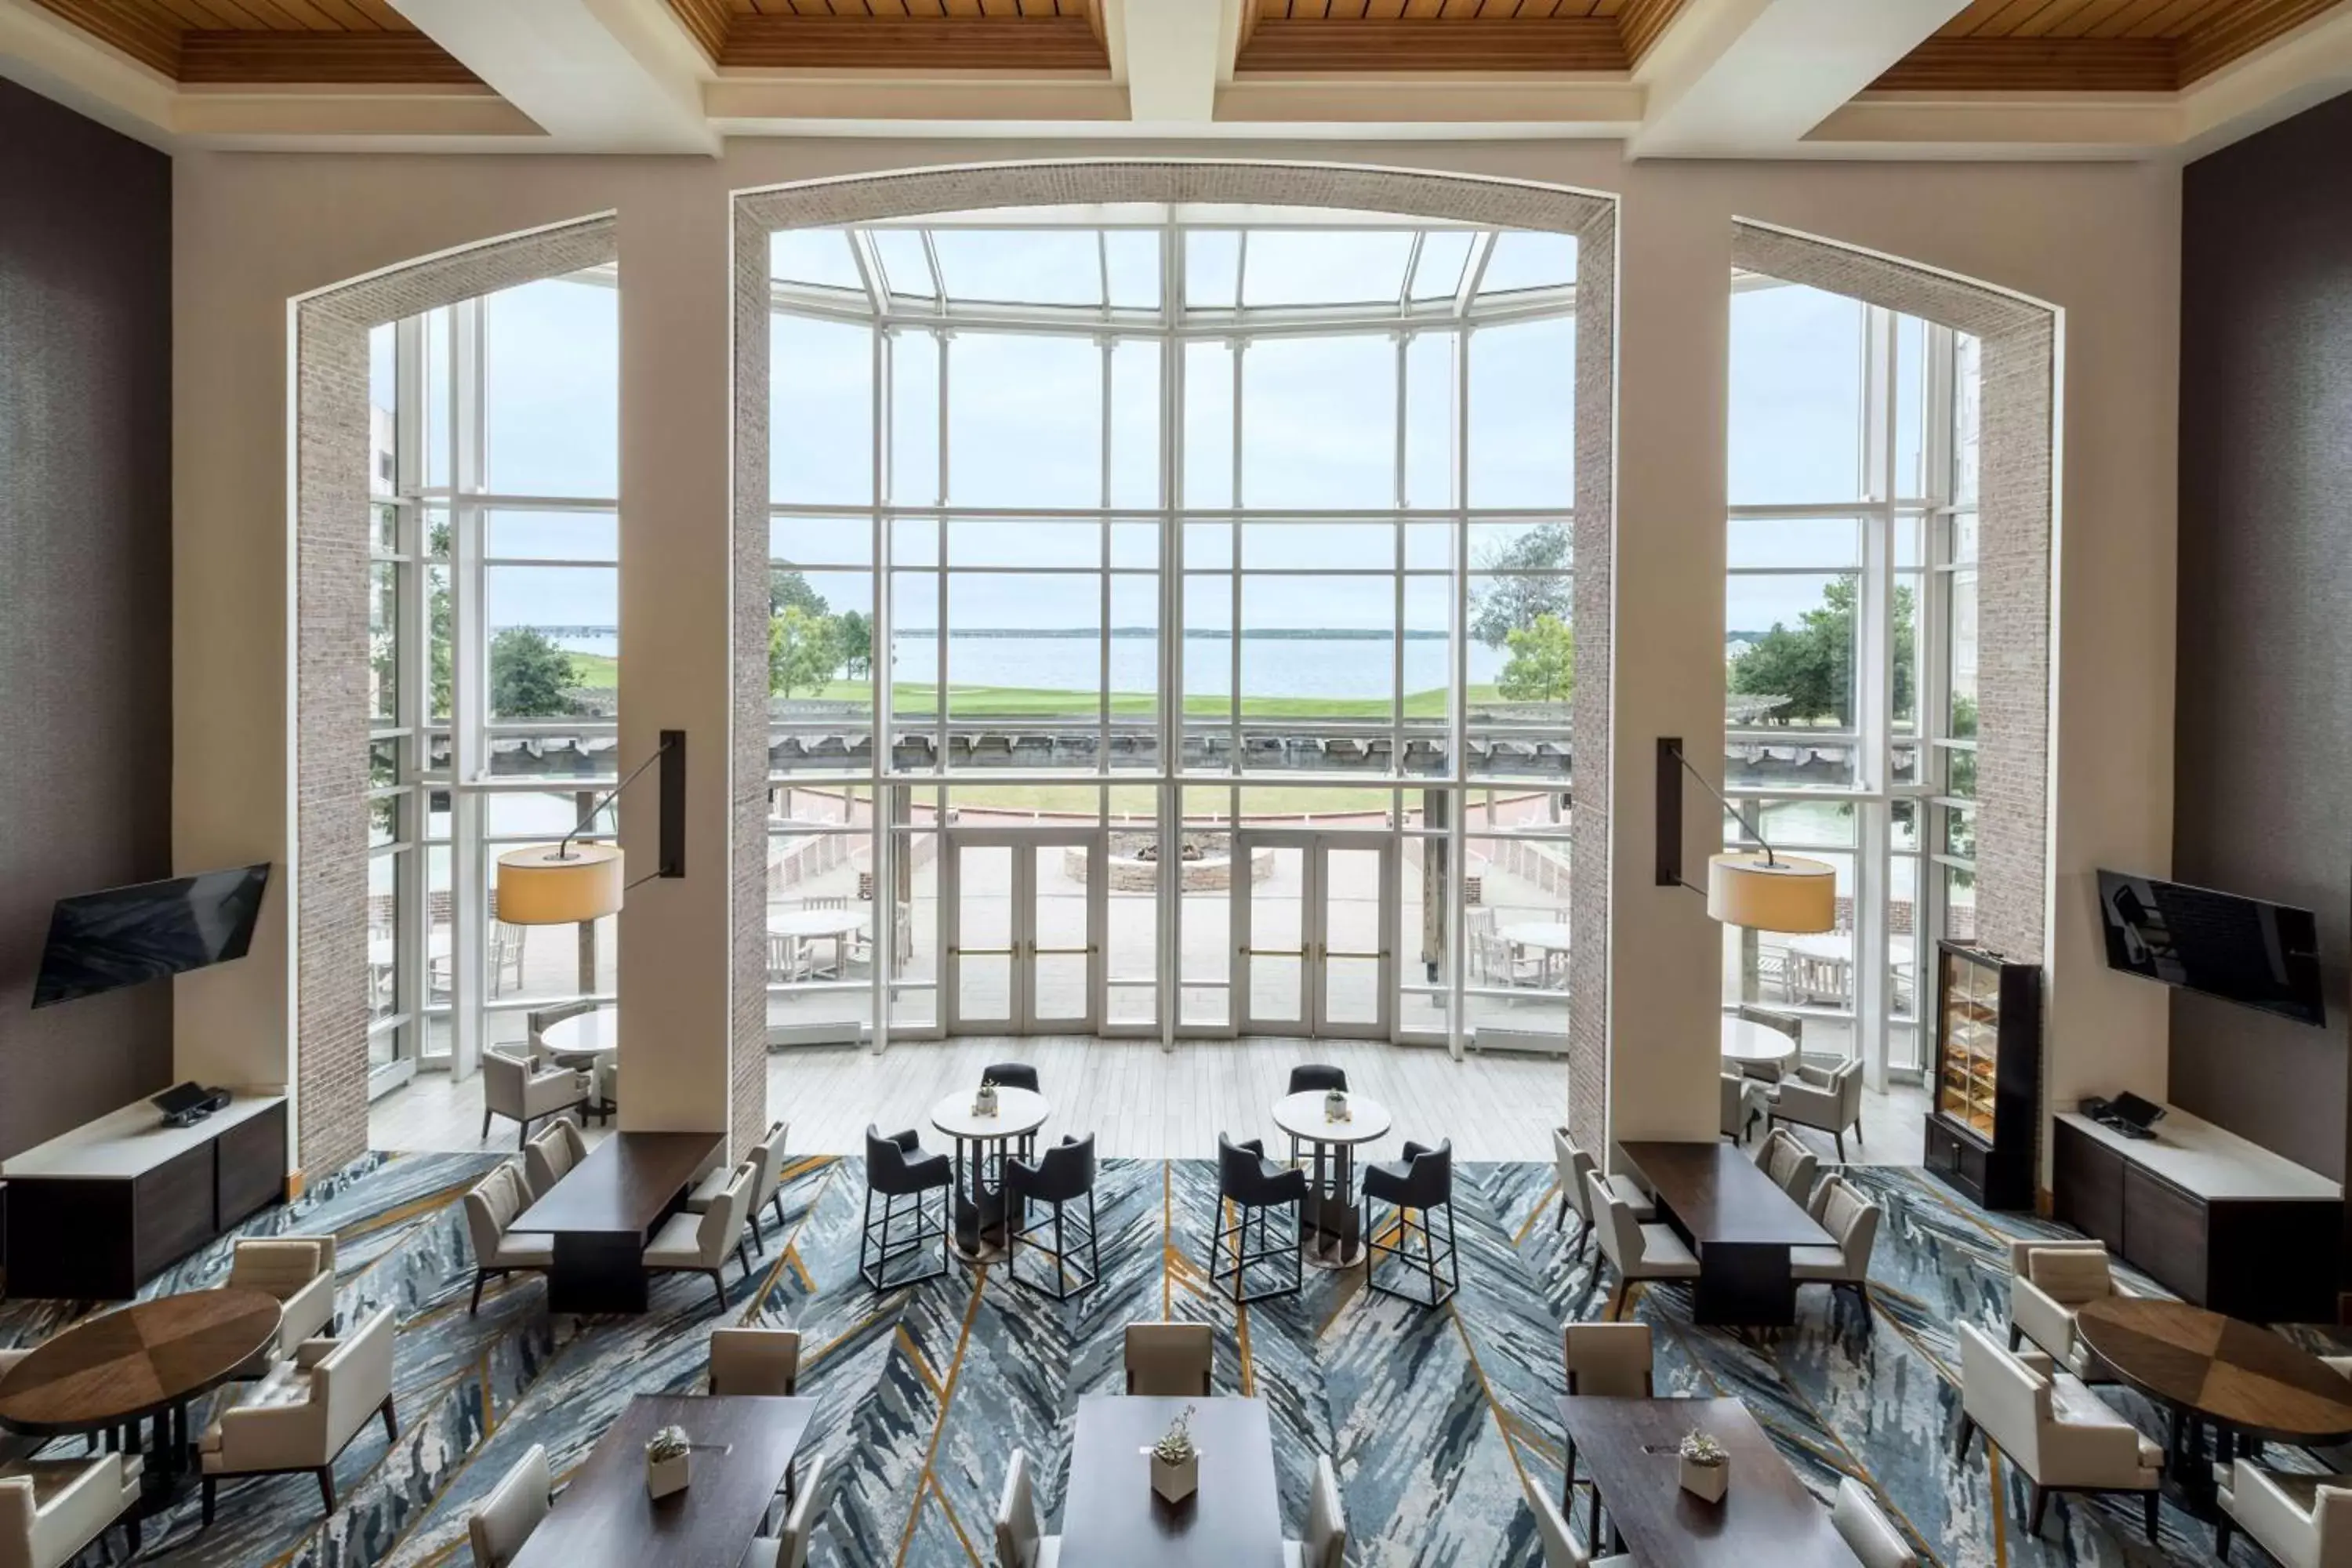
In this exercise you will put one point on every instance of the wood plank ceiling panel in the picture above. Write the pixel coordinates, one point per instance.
(224, 57)
(2094, 46)
(1572, 44)
(137, 31)
(1643, 22)
(1041, 43)
(918, 10)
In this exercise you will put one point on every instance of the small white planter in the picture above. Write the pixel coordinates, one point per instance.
(664, 1477)
(984, 1102)
(1705, 1482)
(1174, 1483)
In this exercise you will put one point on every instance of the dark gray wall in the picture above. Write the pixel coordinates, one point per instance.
(2263, 776)
(84, 590)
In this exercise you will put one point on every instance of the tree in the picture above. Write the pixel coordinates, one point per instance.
(1542, 667)
(1811, 665)
(443, 622)
(802, 651)
(788, 590)
(531, 678)
(855, 640)
(1511, 600)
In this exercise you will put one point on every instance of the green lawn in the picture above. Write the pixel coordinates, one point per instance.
(597, 671)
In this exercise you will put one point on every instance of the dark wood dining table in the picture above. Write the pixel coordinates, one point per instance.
(1112, 1518)
(604, 1211)
(742, 1447)
(1766, 1517)
(110, 1373)
(2240, 1381)
(1740, 1223)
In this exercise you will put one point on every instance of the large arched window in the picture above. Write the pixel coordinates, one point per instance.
(1104, 539)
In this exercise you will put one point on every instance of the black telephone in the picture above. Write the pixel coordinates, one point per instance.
(2128, 1114)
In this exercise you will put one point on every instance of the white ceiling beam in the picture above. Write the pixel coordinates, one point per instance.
(2281, 79)
(1745, 78)
(598, 76)
(43, 52)
(1172, 53)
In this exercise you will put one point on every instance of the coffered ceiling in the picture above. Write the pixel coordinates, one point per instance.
(1739, 79)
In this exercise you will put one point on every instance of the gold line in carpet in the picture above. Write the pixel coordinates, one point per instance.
(947, 1400)
(1542, 1203)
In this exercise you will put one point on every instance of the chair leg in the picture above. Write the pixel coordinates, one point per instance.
(1617, 1300)
(479, 1275)
(1968, 1433)
(327, 1487)
(2016, 1338)
(486, 1127)
(2035, 1498)
(776, 1202)
(391, 1422)
(2220, 1539)
(743, 1259)
(2150, 1504)
(209, 1484)
(758, 1236)
(719, 1288)
(1560, 1223)
(130, 1531)
(1094, 1244)
(1568, 1485)
(1840, 1136)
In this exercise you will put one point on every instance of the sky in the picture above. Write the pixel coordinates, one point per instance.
(1025, 418)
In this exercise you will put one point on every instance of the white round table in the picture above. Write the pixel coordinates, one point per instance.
(837, 926)
(1331, 1225)
(1838, 944)
(1747, 1042)
(1547, 939)
(597, 1033)
(382, 950)
(980, 1227)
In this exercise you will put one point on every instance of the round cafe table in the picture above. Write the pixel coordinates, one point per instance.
(584, 1037)
(2208, 1371)
(146, 1361)
(1744, 1042)
(837, 926)
(980, 1227)
(1330, 1225)
(1547, 939)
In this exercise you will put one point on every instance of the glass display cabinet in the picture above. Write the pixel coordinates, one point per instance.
(1988, 1068)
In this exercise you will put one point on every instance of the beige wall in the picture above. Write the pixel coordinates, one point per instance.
(2098, 241)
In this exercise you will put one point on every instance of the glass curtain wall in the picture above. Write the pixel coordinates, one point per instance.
(495, 653)
(1139, 535)
(1849, 719)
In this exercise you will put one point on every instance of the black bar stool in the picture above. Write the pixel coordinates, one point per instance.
(1014, 1075)
(1317, 1078)
(1065, 1174)
(1421, 1181)
(1251, 1184)
(897, 1167)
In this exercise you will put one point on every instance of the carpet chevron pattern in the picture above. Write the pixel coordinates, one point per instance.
(1435, 1420)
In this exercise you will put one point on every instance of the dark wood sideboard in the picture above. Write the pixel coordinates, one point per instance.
(97, 1213)
(2219, 1220)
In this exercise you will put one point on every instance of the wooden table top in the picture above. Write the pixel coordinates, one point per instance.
(1112, 1518)
(1719, 1195)
(625, 1184)
(132, 1363)
(743, 1444)
(2238, 1373)
(1766, 1515)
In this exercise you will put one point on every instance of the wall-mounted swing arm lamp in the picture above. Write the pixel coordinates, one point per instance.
(1762, 893)
(566, 883)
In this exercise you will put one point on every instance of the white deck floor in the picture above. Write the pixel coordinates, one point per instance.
(1139, 1100)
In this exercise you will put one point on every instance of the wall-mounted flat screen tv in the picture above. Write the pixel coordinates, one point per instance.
(2245, 951)
(128, 936)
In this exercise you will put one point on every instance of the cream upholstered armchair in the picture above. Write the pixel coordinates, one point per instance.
(691, 1243)
(1021, 1537)
(2046, 1423)
(2052, 1280)
(1838, 1207)
(550, 1157)
(2304, 1522)
(1743, 1100)
(490, 1207)
(299, 1272)
(498, 1530)
(1170, 1361)
(1866, 1530)
(306, 1412)
(522, 1091)
(1827, 1100)
(1788, 1162)
(1326, 1542)
(51, 1510)
(1572, 1165)
(1636, 1251)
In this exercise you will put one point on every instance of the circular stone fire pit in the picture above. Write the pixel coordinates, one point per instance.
(1206, 860)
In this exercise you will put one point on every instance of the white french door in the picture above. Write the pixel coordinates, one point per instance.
(1024, 933)
(1312, 952)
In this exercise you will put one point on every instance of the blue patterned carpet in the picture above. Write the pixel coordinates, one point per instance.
(1433, 1417)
